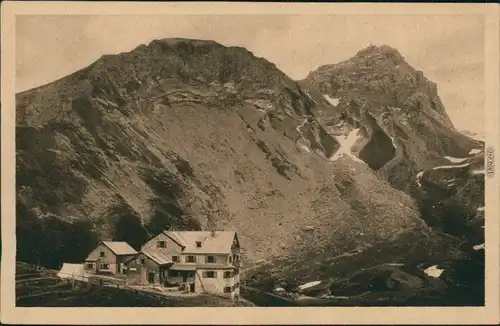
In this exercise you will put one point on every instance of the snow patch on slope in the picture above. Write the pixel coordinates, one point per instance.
(450, 182)
(419, 177)
(346, 144)
(299, 127)
(455, 159)
(309, 285)
(304, 148)
(332, 101)
(474, 151)
(442, 167)
(393, 142)
(434, 271)
(478, 247)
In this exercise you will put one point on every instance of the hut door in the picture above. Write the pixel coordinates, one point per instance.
(151, 278)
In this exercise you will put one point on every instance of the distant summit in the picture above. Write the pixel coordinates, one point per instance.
(386, 50)
(397, 109)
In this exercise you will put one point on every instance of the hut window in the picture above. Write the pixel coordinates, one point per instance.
(161, 244)
(210, 274)
(191, 259)
(102, 254)
(210, 259)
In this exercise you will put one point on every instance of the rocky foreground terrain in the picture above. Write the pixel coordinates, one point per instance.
(326, 179)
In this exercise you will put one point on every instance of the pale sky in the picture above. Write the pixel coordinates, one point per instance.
(448, 49)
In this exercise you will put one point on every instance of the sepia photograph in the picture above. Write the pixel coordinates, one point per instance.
(250, 159)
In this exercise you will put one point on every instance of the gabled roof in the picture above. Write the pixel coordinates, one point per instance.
(180, 267)
(120, 247)
(219, 242)
(161, 257)
(128, 259)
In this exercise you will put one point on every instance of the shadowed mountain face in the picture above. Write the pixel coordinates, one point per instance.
(451, 197)
(193, 135)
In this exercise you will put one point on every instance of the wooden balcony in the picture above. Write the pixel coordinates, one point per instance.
(175, 279)
(180, 279)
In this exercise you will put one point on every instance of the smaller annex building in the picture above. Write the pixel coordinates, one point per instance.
(109, 257)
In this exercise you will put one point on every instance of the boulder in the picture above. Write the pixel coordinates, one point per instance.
(399, 280)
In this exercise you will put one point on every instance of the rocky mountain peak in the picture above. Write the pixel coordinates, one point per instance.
(386, 51)
(396, 109)
(193, 60)
(382, 70)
